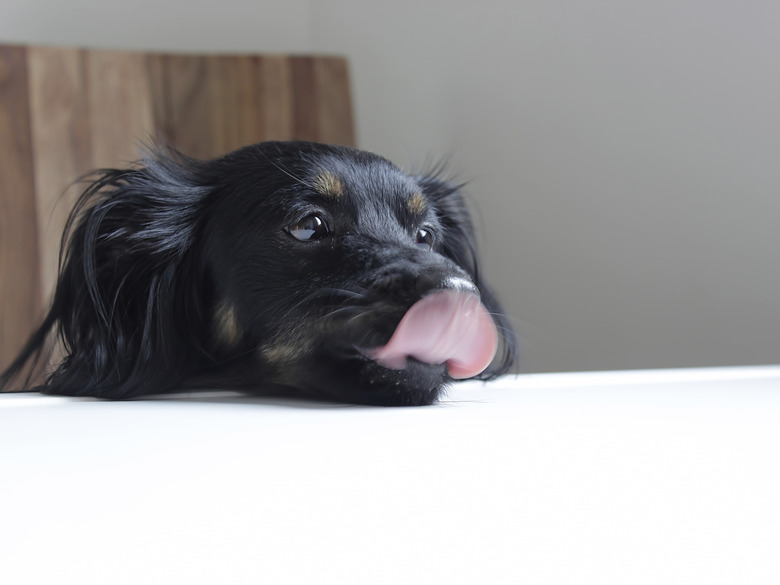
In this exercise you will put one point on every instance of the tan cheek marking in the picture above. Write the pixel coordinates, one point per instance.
(328, 184)
(416, 204)
(226, 324)
(286, 349)
(280, 353)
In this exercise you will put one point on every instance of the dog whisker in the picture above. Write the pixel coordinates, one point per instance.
(354, 294)
(282, 169)
(327, 292)
(340, 310)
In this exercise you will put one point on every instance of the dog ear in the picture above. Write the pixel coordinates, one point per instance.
(458, 244)
(125, 307)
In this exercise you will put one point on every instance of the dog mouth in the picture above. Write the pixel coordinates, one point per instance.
(449, 327)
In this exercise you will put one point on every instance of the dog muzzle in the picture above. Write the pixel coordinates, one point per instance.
(449, 327)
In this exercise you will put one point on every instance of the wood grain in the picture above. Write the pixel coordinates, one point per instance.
(62, 153)
(188, 99)
(275, 97)
(65, 112)
(19, 277)
(120, 106)
(334, 101)
(305, 99)
(159, 90)
(234, 116)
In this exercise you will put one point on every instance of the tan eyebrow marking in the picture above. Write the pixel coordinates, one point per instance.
(328, 184)
(416, 204)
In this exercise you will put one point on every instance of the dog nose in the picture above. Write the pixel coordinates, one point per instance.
(428, 282)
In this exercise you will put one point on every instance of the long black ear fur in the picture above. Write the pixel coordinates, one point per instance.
(458, 245)
(128, 307)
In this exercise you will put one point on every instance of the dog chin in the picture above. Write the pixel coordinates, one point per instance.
(362, 380)
(447, 334)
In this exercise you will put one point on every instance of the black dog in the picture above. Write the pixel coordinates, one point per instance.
(317, 268)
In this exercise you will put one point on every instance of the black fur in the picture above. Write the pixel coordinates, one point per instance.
(178, 273)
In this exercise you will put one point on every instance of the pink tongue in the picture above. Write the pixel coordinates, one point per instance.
(449, 327)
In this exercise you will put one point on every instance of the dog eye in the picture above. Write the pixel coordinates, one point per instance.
(310, 228)
(425, 239)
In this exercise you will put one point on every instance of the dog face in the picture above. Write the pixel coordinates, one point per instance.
(317, 268)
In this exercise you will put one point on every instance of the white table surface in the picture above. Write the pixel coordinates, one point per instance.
(667, 476)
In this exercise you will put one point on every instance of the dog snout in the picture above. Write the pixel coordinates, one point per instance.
(437, 280)
(407, 280)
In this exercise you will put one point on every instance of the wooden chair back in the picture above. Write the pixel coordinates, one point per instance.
(64, 112)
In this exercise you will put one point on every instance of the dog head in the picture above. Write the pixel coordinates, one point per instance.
(315, 267)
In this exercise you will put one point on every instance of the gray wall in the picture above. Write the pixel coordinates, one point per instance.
(624, 155)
